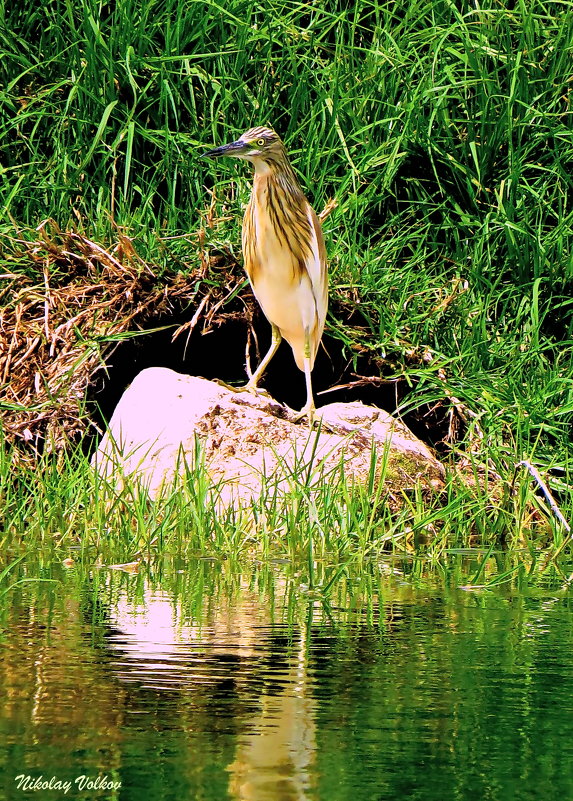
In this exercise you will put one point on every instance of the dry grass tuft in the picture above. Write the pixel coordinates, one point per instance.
(55, 334)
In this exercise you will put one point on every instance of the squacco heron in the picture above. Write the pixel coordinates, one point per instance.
(283, 253)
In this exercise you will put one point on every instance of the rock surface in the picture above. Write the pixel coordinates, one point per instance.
(250, 443)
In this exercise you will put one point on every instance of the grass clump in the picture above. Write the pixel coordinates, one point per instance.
(61, 506)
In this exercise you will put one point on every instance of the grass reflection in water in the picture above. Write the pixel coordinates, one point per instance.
(215, 680)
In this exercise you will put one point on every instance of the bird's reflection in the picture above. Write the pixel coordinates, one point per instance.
(236, 652)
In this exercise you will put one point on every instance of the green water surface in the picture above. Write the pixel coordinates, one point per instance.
(204, 680)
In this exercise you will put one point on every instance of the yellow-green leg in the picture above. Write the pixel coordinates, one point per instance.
(309, 408)
(276, 339)
(252, 384)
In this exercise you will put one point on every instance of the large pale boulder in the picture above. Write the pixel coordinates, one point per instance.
(250, 442)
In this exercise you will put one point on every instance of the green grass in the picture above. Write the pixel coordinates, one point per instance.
(443, 132)
(59, 507)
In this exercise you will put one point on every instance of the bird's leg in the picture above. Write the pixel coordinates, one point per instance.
(252, 384)
(309, 408)
(253, 381)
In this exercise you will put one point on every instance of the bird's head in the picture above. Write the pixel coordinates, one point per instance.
(256, 145)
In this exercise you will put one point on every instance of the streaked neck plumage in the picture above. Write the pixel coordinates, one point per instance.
(278, 196)
(277, 177)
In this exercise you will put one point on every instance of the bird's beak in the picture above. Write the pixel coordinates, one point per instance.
(233, 149)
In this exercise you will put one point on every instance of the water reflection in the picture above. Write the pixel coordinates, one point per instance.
(207, 681)
(236, 651)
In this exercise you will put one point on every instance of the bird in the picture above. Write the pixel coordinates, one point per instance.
(284, 254)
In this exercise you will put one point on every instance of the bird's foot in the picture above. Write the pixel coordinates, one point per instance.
(308, 412)
(252, 388)
(224, 384)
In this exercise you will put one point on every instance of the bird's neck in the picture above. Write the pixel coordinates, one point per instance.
(280, 176)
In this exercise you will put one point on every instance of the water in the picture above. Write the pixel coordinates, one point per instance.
(205, 681)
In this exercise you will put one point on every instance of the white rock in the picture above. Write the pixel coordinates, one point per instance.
(250, 442)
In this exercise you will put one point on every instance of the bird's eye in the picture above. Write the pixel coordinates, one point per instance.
(260, 142)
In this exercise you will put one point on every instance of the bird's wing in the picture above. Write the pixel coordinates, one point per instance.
(316, 269)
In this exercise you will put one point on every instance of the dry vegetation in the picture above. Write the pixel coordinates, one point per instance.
(54, 336)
